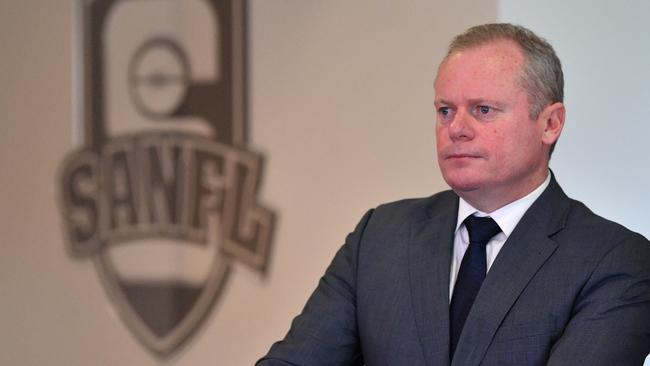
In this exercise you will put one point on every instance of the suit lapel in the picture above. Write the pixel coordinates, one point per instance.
(430, 250)
(525, 251)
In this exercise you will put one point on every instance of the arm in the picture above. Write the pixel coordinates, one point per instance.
(611, 320)
(325, 333)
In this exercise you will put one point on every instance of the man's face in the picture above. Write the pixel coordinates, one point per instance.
(489, 150)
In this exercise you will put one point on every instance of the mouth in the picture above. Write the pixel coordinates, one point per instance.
(460, 156)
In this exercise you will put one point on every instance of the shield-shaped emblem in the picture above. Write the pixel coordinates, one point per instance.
(161, 192)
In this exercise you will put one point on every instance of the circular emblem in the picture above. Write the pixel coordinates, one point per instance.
(159, 75)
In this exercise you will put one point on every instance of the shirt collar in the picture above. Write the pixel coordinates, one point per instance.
(508, 216)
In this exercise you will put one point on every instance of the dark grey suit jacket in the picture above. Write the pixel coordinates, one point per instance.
(567, 288)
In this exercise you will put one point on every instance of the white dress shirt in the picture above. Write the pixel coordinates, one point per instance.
(507, 217)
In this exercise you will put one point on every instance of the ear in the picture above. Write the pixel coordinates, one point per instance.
(552, 120)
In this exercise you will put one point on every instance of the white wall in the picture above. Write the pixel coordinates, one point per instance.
(603, 156)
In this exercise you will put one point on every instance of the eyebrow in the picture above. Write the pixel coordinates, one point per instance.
(473, 101)
(442, 102)
(485, 101)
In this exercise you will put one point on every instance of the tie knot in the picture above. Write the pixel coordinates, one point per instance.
(481, 229)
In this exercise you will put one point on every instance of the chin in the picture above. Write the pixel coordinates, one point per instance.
(462, 183)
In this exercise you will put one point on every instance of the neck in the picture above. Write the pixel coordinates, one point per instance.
(490, 199)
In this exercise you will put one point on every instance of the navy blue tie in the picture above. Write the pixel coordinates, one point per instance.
(470, 275)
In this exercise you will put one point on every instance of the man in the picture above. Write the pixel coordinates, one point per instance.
(409, 287)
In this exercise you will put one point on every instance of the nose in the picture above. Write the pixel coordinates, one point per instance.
(460, 127)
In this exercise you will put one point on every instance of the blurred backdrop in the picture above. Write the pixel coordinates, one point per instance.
(331, 113)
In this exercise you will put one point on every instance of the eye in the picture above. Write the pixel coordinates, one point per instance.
(484, 112)
(483, 109)
(445, 114)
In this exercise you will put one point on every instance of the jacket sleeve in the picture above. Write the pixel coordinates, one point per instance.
(611, 317)
(325, 333)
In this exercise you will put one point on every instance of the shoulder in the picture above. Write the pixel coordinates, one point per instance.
(600, 236)
(397, 216)
(416, 209)
(572, 224)
(581, 219)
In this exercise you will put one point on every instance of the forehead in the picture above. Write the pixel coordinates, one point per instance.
(491, 68)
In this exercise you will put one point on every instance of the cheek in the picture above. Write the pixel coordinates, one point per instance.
(521, 149)
(441, 135)
(439, 129)
(497, 143)
(505, 151)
